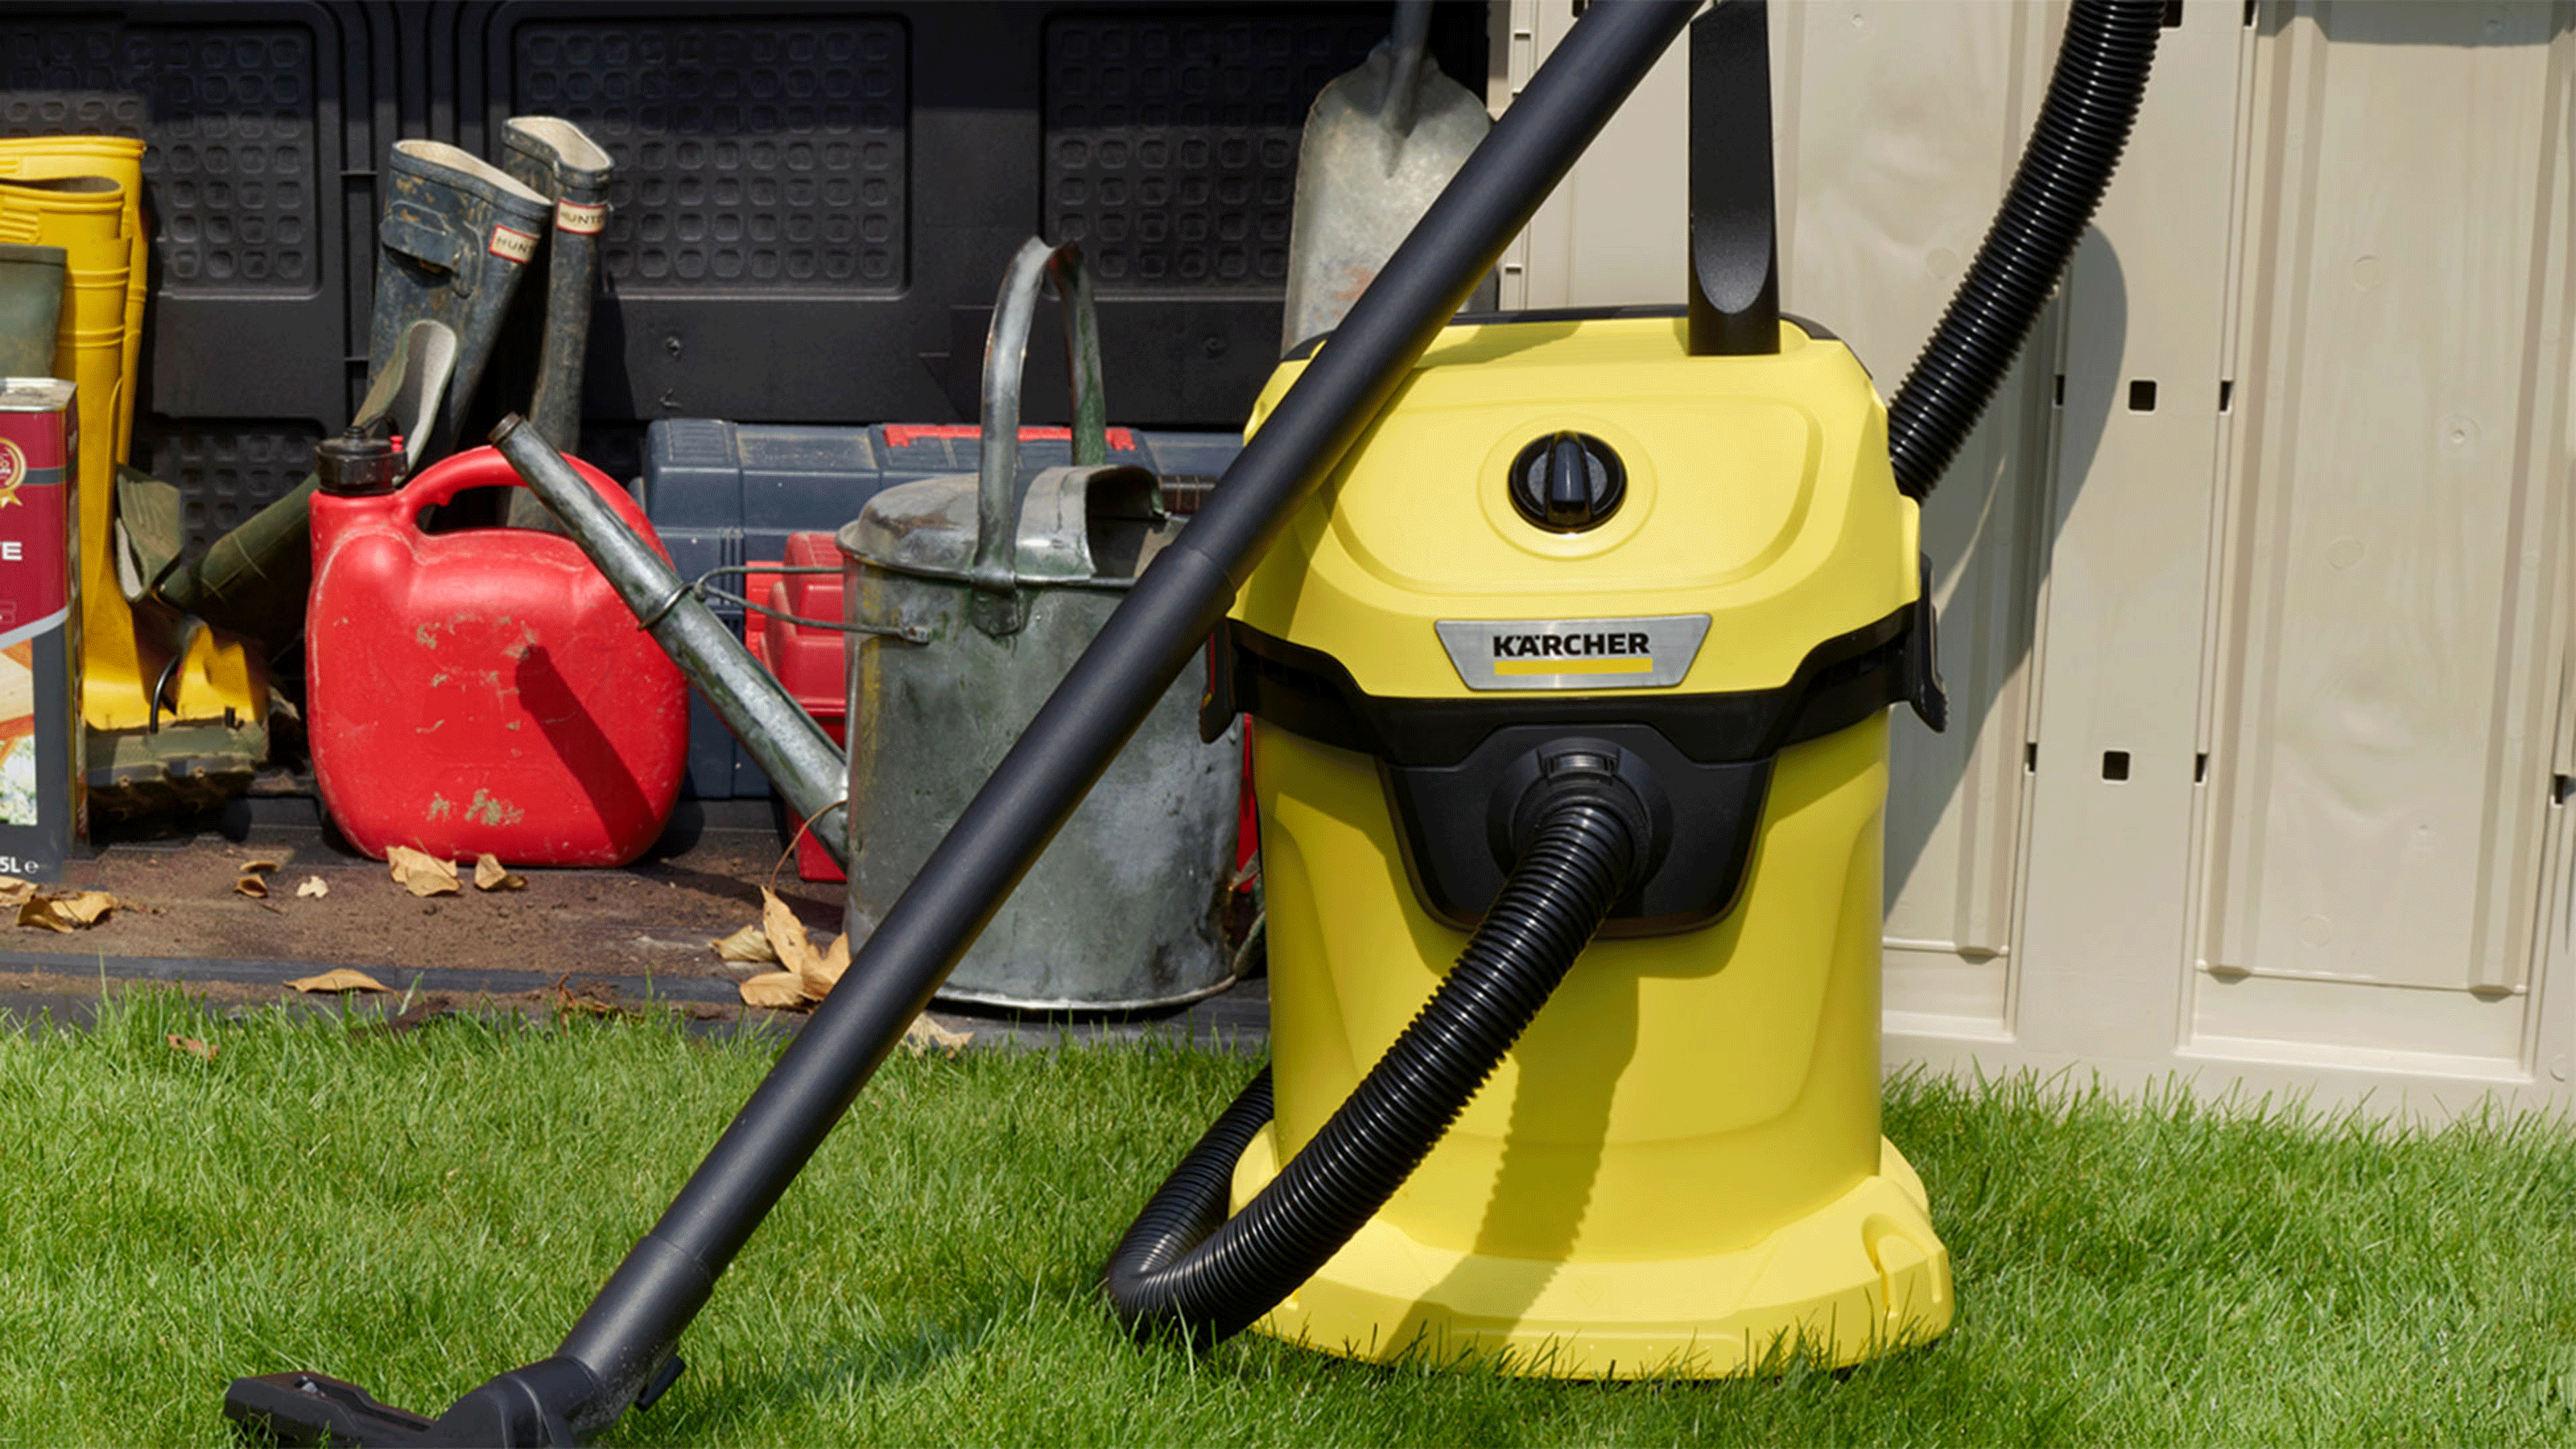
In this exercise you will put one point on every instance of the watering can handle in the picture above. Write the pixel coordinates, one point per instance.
(1006, 347)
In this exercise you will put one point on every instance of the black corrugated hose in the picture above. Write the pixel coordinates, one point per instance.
(1186, 1268)
(2083, 125)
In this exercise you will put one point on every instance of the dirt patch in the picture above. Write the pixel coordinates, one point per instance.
(177, 901)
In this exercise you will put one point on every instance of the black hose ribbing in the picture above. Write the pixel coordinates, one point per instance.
(1186, 1267)
(2084, 122)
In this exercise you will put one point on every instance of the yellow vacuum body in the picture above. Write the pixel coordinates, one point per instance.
(1678, 1169)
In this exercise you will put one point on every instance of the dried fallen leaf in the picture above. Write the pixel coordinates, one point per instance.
(422, 875)
(748, 946)
(252, 886)
(193, 1047)
(254, 867)
(65, 912)
(787, 935)
(14, 892)
(593, 997)
(778, 990)
(924, 1034)
(824, 971)
(314, 886)
(340, 979)
(490, 876)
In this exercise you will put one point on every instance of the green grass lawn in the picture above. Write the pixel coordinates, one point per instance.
(418, 1212)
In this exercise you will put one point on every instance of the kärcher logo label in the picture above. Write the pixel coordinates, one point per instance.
(1648, 653)
(1571, 646)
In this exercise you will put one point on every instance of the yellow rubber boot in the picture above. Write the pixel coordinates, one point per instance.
(119, 159)
(220, 692)
(85, 216)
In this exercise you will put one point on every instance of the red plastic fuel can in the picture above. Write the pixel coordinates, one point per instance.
(483, 689)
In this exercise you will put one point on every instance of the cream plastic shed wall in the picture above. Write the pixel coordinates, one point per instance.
(2255, 583)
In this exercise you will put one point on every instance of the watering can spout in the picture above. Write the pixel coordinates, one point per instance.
(809, 770)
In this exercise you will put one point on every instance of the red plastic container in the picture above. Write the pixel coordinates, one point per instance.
(484, 689)
(812, 664)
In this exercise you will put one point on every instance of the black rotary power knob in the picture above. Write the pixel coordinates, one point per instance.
(1567, 482)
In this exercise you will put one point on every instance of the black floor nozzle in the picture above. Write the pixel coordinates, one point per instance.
(301, 1409)
(526, 1406)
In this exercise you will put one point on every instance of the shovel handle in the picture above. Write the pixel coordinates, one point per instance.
(1406, 40)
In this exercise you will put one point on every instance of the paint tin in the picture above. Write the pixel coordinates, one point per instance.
(42, 809)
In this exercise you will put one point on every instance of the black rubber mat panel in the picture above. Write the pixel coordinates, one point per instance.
(229, 112)
(65, 77)
(231, 166)
(228, 469)
(761, 156)
(1171, 142)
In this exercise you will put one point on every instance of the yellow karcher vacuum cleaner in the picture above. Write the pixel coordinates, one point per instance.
(1588, 580)
(1552, 628)
(1634, 590)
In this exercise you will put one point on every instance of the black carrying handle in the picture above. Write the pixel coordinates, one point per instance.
(1734, 227)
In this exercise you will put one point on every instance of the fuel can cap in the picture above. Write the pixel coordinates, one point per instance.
(360, 463)
(1567, 482)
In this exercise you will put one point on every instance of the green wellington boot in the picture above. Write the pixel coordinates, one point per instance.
(31, 308)
(456, 237)
(550, 155)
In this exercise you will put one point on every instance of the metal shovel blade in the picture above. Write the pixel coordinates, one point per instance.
(1380, 143)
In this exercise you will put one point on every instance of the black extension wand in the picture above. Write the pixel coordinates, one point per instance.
(620, 1353)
